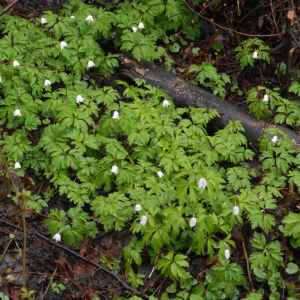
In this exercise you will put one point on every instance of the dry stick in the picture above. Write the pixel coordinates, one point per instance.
(247, 263)
(8, 7)
(110, 273)
(49, 284)
(232, 30)
(21, 203)
(272, 10)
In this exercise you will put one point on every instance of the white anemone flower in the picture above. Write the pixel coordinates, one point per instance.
(227, 253)
(138, 207)
(47, 82)
(43, 21)
(114, 169)
(57, 237)
(134, 29)
(202, 183)
(160, 174)
(166, 103)
(143, 220)
(116, 115)
(266, 98)
(89, 19)
(141, 25)
(17, 165)
(274, 139)
(0, 79)
(255, 54)
(17, 113)
(90, 64)
(236, 210)
(193, 222)
(72, 17)
(16, 63)
(63, 45)
(79, 99)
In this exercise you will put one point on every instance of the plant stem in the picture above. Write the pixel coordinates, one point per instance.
(22, 204)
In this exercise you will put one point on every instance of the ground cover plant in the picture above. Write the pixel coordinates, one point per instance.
(90, 153)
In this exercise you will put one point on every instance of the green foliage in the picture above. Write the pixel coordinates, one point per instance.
(75, 133)
(57, 288)
(286, 111)
(247, 48)
(209, 77)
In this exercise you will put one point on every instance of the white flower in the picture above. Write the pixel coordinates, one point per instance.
(72, 17)
(138, 207)
(43, 21)
(116, 115)
(160, 174)
(63, 45)
(0, 79)
(227, 253)
(17, 165)
(166, 103)
(141, 25)
(236, 210)
(134, 29)
(47, 82)
(57, 237)
(90, 64)
(202, 183)
(143, 220)
(16, 63)
(17, 113)
(255, 54)
(266, 98)
(193, 222)
(89, 19)
(114, 169)
(79, 98)
(274, 139)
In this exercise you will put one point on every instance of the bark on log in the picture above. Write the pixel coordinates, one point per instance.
(185, 94)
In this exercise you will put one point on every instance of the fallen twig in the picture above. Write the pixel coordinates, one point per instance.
(108, 272)
(8, 7)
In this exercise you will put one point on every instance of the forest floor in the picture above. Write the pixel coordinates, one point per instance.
(48, 264)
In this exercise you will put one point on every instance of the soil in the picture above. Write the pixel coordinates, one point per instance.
(48, 264)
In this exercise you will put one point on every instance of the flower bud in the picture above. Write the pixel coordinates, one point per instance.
(143, 220)
(116, 115)
(227, 253)
(166, 103)
(160, 174)
(193, 222)
(274, 139)
(202, 183)
(57, 237)
(114, 169)
(17, 165)
(138, 207)
(255, 55)
(236, 210)
(134, 29)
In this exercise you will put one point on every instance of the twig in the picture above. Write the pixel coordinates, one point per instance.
(272, 10)
(108, 272)
(232, 30)
(8, 7)
(247, 263)
(49, 284)
(22, 206)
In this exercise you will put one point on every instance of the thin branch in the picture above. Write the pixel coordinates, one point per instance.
(232, 30)
(8, 7)
(22, 206)
(108, 272)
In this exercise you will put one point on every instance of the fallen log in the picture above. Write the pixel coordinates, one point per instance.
(185, 94)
